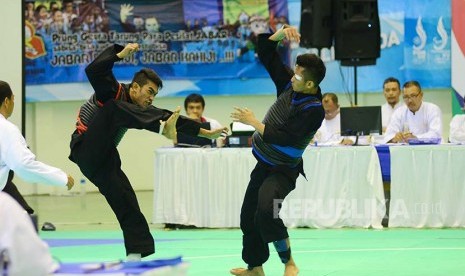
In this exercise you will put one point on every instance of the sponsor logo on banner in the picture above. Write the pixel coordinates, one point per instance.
(419, 43)
(427, 46)
(441, 47)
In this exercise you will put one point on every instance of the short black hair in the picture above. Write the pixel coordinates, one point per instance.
(391, 79)
(412, 83)
(194, 98)
(5, 91)
(314, 67)
(145, 74)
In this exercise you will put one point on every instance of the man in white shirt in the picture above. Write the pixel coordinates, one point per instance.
(194, 104)
(415, 119)
(329, 132)
(26, 253)
(14, 154)
(457, 129)
(391, 91)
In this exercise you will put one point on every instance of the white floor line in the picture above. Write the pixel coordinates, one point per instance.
(341, 250)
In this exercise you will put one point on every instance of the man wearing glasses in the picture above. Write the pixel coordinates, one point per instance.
(416, 119)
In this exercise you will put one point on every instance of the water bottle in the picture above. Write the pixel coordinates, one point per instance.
(82, 186)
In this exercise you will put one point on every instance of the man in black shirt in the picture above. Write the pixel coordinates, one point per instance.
(102, 123)
(278, 144)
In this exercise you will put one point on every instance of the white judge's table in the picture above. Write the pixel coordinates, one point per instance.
(427, 186)
(205, 187)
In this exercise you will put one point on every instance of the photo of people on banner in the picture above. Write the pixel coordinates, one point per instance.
(179, 39)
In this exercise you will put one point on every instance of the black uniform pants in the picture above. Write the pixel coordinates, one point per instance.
(259, 223)
(10, 188)
(96, 155)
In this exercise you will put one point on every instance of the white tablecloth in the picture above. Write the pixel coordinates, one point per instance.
(205, 187)
(201, 187)
(427, 186)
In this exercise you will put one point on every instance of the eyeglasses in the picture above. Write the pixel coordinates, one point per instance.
(411, 97)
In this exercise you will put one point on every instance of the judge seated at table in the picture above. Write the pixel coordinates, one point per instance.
(391, 92)
(194, 104)
(329, 133)
(415, 119)
(457, 128)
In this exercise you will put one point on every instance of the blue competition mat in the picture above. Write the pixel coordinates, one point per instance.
(117, 267)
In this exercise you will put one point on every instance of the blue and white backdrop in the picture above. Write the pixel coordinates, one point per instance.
(209, 46)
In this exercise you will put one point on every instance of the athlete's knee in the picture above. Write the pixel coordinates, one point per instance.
(268, 205)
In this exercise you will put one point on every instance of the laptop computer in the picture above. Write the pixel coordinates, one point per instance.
(187, 141)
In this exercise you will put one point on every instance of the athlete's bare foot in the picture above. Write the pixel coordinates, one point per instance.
(256, 271)
(291, 270)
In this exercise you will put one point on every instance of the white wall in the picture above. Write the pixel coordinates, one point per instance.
(10, 52)
(50, 125)
(11, 56)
